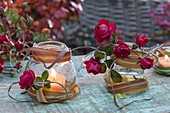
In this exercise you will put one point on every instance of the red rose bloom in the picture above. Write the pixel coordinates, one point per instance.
(103, 30)
(19, 65)
(1, 65)
(146, 63)
(27, 79)
(19, 45)
(4, 38)
(93, 65)
(141, 40)
(122, 50)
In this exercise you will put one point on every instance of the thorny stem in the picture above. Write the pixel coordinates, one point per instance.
(27, 33)
(4, 26)
(141, 50)
(9, 66)
(113, 63)
(18, 19)
(11, 72)
(6, 72)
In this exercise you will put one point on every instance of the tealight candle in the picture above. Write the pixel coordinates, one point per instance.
(56, 77)
(164, 61)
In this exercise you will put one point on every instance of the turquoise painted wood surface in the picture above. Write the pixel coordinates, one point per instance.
(94, 96)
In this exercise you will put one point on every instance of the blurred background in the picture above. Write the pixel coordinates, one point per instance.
(73, 21)
(151, 17)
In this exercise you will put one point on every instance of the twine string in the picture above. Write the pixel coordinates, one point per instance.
(10, 87)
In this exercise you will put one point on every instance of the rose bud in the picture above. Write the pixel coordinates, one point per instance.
(27, 79)
(146, 63)
(19, 45)
(19, 65)
(103, 30)
(122, 50)
(93, 65)
(4, 38)
(1, 65)
(141, 40)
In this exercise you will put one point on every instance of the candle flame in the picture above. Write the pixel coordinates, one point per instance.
(166, 58)
(53, 73)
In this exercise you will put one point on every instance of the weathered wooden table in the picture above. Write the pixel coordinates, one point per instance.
(94, 97)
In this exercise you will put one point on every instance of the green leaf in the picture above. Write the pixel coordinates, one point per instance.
(108, 50)
(99, 54)
(13, 17)
(45, 75)
(48, 84)
(103, 67)
(39, 79)
(114, 34)
(116, 77)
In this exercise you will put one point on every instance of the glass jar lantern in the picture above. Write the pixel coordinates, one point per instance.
(54, 57)
(133, 77)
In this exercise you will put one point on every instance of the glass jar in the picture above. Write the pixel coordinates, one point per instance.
(133, 76)
(44, 59)
(54, 57)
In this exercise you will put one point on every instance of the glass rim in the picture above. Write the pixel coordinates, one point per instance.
(55, 43)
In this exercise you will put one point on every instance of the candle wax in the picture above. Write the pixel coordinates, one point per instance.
(164, 62)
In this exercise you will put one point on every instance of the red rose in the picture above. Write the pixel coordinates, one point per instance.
(146, 63)
(19, 45)
(103, 30)
(141, 40)
(19, 65)
(93, 65)
(1, 65)
(122, 50)
(27, 79)
(4, 38)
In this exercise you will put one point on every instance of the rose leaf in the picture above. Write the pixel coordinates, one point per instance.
(108, 50)
(103, 67)
(39, 79)
(45, 75)
(99, 54)
(116, 77)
